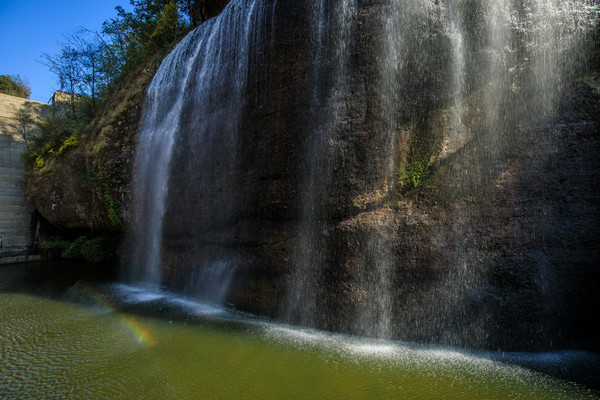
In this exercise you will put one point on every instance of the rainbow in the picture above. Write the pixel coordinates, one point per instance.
(140, 332)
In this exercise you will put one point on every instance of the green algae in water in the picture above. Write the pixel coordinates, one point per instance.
(52, 349)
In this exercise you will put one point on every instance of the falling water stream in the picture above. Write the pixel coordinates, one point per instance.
(330, 33)
(183, 121)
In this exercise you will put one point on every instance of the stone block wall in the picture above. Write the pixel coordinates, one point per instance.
(15, 209)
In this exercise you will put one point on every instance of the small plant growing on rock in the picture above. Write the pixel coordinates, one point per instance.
(417, 172)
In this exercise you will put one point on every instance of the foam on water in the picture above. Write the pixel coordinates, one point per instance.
(135, 295)
(537, 368)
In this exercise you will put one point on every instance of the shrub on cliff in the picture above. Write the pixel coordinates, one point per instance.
(55, 134)
(93, 250)
(13, 85)
(417, 172)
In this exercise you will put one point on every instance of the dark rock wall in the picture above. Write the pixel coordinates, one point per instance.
(500, 254)
(205, 9)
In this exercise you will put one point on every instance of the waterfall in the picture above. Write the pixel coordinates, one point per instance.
(157, 135)
(188, 144)
(505, 62)
(330, 35)
(501, 58)
(314, 220)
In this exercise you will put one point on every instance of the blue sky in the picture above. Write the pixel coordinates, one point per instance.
(29, 28)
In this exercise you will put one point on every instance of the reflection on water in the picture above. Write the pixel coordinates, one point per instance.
(96, 340)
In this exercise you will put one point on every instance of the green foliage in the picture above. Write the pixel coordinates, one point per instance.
(93, 250)
(13, 85)
(50, 144)
(417, 172)
(73, 251)
(55, 244)
(97, 250)
(113, 205)
(71, 141)
(167, 28)
(135, 37)
(39, 161)
(57, 133)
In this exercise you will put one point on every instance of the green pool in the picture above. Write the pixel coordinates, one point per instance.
(100, 341)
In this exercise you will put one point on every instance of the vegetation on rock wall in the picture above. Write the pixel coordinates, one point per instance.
(13, 85)
(56, 134)
(113, 205)
(90, 67)
(417, 172)
(91, 249)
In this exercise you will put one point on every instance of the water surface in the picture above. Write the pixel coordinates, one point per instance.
(94, 340)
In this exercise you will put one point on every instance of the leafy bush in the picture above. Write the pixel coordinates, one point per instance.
(71, 141)
(39, 161)
(13, 85)
(56, 133)
(74, 249)
(97, 250)
(55, 244)
(417, 172)
(92, 250)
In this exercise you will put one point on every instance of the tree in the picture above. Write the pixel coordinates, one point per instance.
(13, 85)
(90, 63)
(149, 28)
(66, 66)
(168, 27)
(88, 50)
(26, 124)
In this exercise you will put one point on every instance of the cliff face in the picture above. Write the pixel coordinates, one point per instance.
(205, 9)
(498, 250)
(87, 188)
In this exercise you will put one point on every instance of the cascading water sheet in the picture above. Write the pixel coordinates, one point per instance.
(160, 126)
(498, 58)
(190, 128)
(330, 35)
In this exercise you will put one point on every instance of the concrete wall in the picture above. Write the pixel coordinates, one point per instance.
(15, 210)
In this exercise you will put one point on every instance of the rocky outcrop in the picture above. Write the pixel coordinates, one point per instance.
(500, 253)
(87, 188)
(205, 9)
